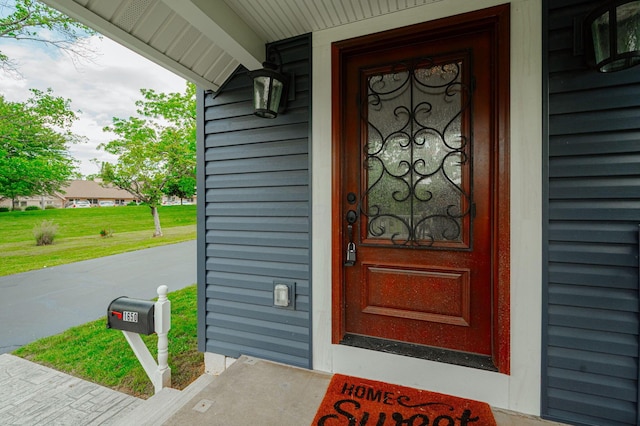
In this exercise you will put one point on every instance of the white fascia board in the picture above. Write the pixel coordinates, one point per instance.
(104, 27)
(220, 24)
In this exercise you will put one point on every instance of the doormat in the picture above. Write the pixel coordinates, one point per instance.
(354, 401)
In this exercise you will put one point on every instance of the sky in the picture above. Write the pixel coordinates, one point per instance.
(102, 88)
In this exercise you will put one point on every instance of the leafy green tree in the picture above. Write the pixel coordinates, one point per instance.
(179, 109)
(156, 153)
(181, 187)
(34, 139)
(25, 19)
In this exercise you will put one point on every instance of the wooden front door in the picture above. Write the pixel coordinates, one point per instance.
(418, 143)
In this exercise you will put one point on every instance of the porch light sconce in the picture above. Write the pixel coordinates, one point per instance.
(612, 36)
(270, 86)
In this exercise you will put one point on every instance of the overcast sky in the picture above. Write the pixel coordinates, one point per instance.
(101, 89)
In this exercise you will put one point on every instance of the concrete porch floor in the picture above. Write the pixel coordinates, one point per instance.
(257, 392)
(250, 392)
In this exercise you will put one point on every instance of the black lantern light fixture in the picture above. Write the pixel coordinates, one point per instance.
(612, 36)
(270, 86)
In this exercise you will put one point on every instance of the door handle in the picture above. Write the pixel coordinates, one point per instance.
(352, 216)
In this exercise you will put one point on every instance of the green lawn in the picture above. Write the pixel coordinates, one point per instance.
(78, 236)
(100, 355)
(91, 351)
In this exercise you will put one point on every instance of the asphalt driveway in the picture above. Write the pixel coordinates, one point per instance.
(48, 301)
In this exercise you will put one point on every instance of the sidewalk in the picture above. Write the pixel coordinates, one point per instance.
(31, 394)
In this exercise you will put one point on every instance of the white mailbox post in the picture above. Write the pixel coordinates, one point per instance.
(160, 373)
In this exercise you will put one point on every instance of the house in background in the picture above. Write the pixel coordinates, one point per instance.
(76, 190)
(55, 200)
(95, 191)
(450, 200)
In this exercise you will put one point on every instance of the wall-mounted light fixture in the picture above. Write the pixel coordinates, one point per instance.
(612, 36)
(270, 86)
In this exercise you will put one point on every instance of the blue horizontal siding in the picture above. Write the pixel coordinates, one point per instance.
(594, 143)
(258, 135)
(282, 331)
(258, 209)
(250, 282)
(258, 238)
(269, 220)
(609, 98)
(257, 312)
(613, 321)
(587, 210)
(261, 150)
(596, 187)
(594, 297)
(590, 409)
(255, 165)
(258, 194)
(587, 166)
(258, 179)
(603, 276)
(595, 254)
(592, 212)
(257, 224)
(592, 362)
(593, 232)
(593, 341)
(265, 254)
(593, 384)
(252, 267)
(223, 347)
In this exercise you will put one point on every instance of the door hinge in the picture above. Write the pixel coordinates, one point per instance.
(473, 210)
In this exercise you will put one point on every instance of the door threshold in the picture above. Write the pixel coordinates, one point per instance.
(447, 356)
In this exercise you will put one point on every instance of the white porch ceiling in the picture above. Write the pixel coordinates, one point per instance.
(204, 41)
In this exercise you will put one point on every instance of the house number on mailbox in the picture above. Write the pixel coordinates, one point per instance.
(129, 316)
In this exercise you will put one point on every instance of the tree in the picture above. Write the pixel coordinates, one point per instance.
(180, 110)
(34, 138)
(181, 187)
(26, 19)
(157, 152)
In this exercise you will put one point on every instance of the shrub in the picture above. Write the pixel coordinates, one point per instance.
(4, 209)
(29, 208)
(45, 232)
(50, 207)
(106, 232)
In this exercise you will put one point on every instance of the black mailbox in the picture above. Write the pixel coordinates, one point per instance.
(134, 315)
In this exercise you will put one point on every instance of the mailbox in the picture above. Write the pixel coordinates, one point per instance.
(134, 315)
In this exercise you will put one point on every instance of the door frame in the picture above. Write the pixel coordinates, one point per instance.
(495, 20)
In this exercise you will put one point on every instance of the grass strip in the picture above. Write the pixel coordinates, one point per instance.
(18, 226)
(78, 237)
(100, 355)
(26, 256)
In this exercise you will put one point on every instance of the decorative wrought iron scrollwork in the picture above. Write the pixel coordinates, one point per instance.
(417, 153)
